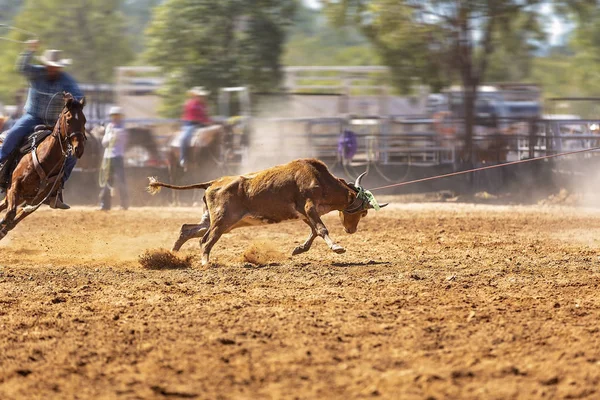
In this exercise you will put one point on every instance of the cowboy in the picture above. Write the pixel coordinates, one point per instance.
(45, 82)
(194, 116)
(114, 141)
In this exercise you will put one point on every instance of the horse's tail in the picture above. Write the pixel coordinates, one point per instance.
(154, 186)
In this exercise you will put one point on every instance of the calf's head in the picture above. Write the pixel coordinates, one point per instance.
(358, 207)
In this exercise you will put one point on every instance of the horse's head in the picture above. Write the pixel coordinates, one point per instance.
(72, 123)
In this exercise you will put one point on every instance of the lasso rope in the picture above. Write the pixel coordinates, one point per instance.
(14, 28)
(104, 173)
(431, 178)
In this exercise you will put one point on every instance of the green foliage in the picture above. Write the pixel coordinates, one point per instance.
(91, 32)
(438, 43)
(217, 44)
(315, 41)
(138, 14)
(586, 44)
(514, 55)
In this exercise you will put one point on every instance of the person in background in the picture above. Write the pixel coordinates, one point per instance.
(113, 164)
(194, 116)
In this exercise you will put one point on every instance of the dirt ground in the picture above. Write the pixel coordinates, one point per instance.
(431, 301)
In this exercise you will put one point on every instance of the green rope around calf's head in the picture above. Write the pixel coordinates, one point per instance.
(364, 198)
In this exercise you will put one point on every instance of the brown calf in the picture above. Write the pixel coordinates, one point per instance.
(300, 190)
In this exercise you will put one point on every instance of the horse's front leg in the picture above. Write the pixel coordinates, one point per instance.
(3, 204)
(8, 222)
(20, 216)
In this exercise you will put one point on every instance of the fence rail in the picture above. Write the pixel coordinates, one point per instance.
(423, 142)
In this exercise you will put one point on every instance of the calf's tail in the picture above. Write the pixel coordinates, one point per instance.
(154, 186)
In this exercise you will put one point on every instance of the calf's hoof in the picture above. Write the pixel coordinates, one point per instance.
(338, 249)
(205, 262)
(299, 250)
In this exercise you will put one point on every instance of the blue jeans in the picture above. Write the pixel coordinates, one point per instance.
(116, 178)
(187, 131)
(22, 128)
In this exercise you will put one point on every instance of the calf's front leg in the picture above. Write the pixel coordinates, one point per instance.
(314, 219)
(303, 248)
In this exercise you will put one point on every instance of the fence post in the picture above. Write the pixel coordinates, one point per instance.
(532, 138)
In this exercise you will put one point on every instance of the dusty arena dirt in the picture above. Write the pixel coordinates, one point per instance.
(431, 301)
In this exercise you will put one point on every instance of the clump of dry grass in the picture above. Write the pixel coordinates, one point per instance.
(163, 259)
(262, 253)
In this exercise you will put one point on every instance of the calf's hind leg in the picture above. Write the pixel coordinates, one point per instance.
(190, 231)
(218, 226)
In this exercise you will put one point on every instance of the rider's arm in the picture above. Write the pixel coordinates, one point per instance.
(25, 67)
(71, 86)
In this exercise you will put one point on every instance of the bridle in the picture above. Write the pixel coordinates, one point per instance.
(65, 142)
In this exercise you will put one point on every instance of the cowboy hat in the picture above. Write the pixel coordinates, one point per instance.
(115, 110)
(199, 91)
(52, 58)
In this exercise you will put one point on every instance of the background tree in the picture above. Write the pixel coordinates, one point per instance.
(441, 41)
(138, 14)
(314, 40)
(585, 43)
(218, 43)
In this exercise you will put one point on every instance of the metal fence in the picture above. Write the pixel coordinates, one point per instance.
(420, 142)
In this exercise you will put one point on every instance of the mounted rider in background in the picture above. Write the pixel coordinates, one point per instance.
(194, 116)
(47, 83)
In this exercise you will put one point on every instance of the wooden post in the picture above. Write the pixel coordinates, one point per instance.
(532, 138)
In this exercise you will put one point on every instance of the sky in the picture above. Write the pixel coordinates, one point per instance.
(311, 3)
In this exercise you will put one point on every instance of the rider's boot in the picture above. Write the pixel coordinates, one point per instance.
(56, 201)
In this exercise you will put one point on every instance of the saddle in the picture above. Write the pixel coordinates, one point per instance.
(202, 137)
(40, 133)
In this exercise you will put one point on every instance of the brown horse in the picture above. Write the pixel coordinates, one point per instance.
(203, 157)
(38, 174)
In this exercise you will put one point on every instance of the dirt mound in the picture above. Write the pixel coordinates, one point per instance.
(262, 253)
(561, 198)
(164, 259)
